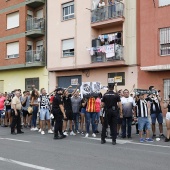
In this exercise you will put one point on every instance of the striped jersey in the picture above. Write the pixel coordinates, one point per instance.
(142, 108)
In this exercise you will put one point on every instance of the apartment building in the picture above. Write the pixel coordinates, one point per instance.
(153, 37)
(22, 44)
(88, 43)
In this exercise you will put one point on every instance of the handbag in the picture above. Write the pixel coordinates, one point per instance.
(30, 109)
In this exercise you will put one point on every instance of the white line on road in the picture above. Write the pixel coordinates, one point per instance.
(24, 164)
(15, 140)
(126, 141)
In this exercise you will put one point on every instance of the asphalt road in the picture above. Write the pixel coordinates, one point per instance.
(32, 150)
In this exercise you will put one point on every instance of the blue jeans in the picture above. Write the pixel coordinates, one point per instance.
(34, 116)
(90, 116)
(158, 116)
(97, 120)
(76, 121)
(143, 122)
(126, 121)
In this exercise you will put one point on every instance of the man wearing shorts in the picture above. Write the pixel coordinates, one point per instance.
(142, 115)
(44, 112)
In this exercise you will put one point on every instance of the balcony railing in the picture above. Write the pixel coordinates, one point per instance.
(107, 12)
(35, 57)
(36, 24)
(99, 56)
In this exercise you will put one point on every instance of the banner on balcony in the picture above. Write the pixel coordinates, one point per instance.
(109, 50)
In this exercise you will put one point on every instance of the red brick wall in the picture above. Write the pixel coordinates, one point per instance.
(21, 29)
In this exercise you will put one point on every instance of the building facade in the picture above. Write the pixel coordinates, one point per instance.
(23, 45)
(153, 37)
(91, 42)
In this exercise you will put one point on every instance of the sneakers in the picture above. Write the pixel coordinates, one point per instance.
(32, 129)
(166, 140)
(42, 132)
(65, 133)
(94, 135)
(149, 140)
(141, 140)
(39, 130)
(87, 135)
(82, 133)
(103, 141)
(154, 136)
(50, 131)
(35, 128)
(72, 133)
(162, 136)
(78, 132)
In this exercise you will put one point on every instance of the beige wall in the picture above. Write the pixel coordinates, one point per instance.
(100, 75)
(80, 29)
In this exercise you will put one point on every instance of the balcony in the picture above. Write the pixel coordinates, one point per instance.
(107, 53)
(35, 58)
(35, 27)
(107, 16)
(34, 3)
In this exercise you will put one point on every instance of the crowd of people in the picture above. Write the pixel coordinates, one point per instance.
(65, 113)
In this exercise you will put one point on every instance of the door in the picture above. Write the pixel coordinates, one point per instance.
(1, 86)
(29, 52)
(66, 81)
(30, 21)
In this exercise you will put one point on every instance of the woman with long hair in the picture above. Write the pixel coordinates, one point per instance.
(35, 104)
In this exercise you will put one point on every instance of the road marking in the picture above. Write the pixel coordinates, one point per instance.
(131, 142)
(110, 140)
(15, 140)
(24, 164)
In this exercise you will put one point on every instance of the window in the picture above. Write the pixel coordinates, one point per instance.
(165, 41)
(13, 20)
(119, 78)
(13, 50)
(164, 2)
(166, 89)
(68, 47)
(68, 10)
(31, 81)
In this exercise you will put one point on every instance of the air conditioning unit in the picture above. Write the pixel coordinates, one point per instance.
(37, 57)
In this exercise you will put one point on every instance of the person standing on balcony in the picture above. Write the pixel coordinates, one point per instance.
(102, 11)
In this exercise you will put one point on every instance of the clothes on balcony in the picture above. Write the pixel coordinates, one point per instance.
(109, 50)
(102, 4)
(110, 37)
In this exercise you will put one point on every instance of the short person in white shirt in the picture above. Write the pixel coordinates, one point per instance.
(128, 106)
(44, 111)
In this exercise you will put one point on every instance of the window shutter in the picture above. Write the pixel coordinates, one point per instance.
(13, 48)
(68, 44)
(13, 20)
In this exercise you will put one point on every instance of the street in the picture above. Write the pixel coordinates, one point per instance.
(34, 151)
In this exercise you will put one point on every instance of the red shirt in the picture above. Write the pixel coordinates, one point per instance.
(51, 99)
(2, 99)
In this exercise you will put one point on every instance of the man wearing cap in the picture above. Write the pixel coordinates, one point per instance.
(111, 101)
(59, 114)
(142, 113)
